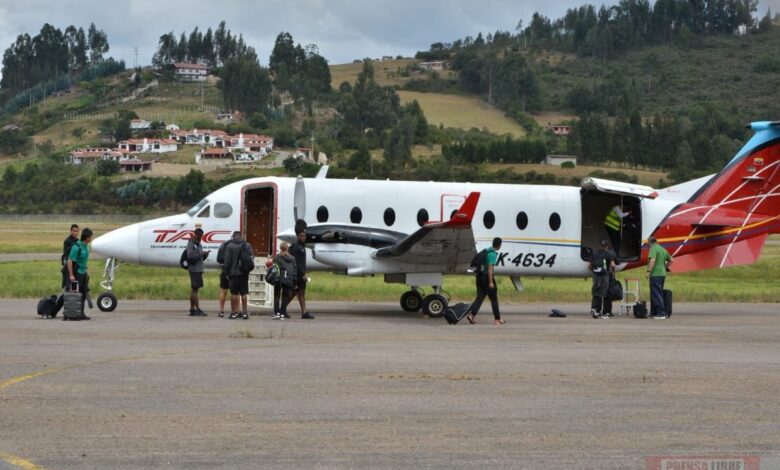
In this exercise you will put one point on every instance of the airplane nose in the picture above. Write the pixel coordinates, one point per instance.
(121, 244)
(287, 236)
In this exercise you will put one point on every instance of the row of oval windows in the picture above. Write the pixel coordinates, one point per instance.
(489, 219)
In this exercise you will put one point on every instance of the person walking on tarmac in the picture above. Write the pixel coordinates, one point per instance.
(603, 267)
(72, 239)
(77, 266)
(658, 260)
(486, 286)
(614, 223)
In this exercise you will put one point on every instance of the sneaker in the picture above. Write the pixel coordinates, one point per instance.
(594, 313)
(221, 314)
(604, 316)
(287, 316)
(276, 316)
(307, 316)
(84, 317)
(201, 313)
(245, 316)
(659, 317)
(233, 316)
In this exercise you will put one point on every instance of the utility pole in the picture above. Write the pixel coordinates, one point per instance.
(135, 58)
(201, 97)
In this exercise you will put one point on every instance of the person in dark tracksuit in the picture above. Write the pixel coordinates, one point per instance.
(603, 267)
(298, 250)
(224, 283)
(77, 266)
(66, 247)
(287, 277)
(195, 258)
(486, 286)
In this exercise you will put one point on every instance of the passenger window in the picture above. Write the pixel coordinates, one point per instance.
(489, 219)
(522, 220)
(422, 217)
(222, 210)
(322, 214)
(555, 221)
(389, 217)
(205, 212)
(356, 215)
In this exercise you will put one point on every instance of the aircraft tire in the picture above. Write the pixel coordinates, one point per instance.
(107, 302)
(434, 305)
(411, 301)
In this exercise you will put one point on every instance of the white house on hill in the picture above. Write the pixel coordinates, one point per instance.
(190, 72)
(149, 145)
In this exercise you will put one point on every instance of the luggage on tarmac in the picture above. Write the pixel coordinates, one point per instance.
(72, 308)
(47, 307)
(640, 309)
(455, 313)
(668, 302)
(615, 289)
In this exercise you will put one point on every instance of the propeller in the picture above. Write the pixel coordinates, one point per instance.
(299, 205)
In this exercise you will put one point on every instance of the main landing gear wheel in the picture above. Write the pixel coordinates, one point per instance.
(411, 301)
(434, 305)
(107, 302)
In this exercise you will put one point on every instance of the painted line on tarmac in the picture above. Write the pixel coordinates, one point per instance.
(15, 380)
(19, 462)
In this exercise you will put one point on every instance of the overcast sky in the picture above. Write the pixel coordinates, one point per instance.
(344, 30)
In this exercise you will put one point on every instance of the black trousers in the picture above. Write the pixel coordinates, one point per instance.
(282, 297)
(83, 280)
(484, 291)
(601, 302)
(614, 237)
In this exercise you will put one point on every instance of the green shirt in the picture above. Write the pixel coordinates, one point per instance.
(661, 256)
(79, 254)
(491, 259)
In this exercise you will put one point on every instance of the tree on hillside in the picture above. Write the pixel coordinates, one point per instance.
(98, 44)
(245, 85)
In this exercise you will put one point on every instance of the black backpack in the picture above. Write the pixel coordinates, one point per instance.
(246, 262)
(478, 262)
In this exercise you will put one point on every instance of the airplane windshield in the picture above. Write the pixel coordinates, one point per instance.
(197, 207)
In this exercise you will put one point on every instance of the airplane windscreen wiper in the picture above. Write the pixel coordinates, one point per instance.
(197, 207)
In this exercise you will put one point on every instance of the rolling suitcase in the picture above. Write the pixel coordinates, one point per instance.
(72, 308)
(668, 302)
(455, 313)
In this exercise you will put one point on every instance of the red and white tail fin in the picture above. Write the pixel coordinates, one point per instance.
(727, 220)
(750, 183)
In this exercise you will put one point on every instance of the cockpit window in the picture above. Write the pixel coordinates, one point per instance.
(222, 210)
(205, 212)
(197, 207)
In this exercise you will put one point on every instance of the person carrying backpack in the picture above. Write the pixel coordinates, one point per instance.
(239, 262)
(603, 267)
(195, 256)
(486, 285)
(284, 285)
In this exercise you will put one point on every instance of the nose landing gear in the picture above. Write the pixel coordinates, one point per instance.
(107, 301)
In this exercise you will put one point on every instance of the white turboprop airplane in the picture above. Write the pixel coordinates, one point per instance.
(413, 233)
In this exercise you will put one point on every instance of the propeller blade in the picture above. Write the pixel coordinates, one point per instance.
(299, 208)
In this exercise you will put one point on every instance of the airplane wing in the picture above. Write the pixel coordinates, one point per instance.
(449, 243)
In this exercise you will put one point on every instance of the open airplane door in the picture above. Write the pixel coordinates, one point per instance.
(598, 198)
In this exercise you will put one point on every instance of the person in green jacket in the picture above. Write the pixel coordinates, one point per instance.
(78, 259)
(658, 260)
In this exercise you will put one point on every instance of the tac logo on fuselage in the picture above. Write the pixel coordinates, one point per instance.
(173, 235)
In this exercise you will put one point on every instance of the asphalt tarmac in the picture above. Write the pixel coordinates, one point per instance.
(367, 386)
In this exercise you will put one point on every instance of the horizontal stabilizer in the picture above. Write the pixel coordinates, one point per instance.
(439, 243)
(742, 252)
